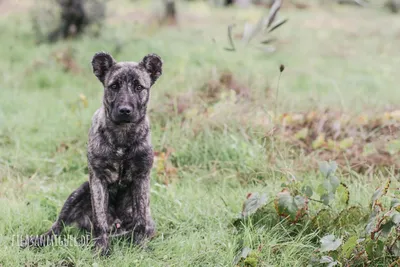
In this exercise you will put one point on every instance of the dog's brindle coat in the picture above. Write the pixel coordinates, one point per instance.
(120, 156)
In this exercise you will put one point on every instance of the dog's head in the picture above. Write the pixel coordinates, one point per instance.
(126, 85)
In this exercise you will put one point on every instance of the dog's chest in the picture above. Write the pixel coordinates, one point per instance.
(122, 168)
(120, 152)
(120, 173)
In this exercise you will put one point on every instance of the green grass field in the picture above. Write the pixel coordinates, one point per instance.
(336, 57)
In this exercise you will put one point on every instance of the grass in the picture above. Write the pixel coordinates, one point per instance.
(340, 58)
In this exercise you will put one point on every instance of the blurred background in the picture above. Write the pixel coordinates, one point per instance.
(253, 92)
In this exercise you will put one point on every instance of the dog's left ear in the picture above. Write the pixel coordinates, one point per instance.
(153, 65)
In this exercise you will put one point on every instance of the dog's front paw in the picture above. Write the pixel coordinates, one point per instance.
(102, 246)
(150, 229)
(139, 234)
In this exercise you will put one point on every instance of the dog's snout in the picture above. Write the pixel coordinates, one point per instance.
(125, 110)
(123, 113)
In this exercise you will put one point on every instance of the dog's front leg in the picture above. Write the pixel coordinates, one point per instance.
(99, 193)
(141, 208)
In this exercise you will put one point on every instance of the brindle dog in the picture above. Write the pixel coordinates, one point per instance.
(120, 157)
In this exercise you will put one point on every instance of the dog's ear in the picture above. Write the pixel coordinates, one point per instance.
(101, 63)
(153, 65)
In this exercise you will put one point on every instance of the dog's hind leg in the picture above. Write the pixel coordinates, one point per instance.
(77, 209)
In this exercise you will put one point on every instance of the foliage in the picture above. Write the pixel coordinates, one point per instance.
(261, 29)
(365, 143)
(380, 240)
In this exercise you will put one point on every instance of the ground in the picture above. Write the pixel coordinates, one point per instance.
(210, 155)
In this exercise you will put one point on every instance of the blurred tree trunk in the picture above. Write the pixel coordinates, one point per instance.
(393, 5)
(73, 20)
(169, 12)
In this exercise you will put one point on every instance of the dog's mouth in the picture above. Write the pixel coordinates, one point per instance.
(123, 120)
(120, 120)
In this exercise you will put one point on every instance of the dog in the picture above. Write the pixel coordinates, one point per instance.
(120, 158)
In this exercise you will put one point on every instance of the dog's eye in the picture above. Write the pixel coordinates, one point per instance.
(114, 86)
(139, 88)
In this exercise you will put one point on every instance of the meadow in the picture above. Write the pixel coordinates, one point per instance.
(213, 115)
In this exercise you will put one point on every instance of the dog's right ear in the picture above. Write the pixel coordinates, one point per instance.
(101, 63)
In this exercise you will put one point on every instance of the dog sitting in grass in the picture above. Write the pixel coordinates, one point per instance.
(120, 158)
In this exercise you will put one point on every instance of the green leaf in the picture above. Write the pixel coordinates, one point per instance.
(395, 203)
(343, 193)
(369, 248)
(387, 185)
(396, 249)
(327, 186)
(386, 228)
(335, 182)
(330, 243)
(320, 189)
(395, 217)
(324, 167)
(349, 246)
(253, 203)
(381, 191)
(328, 168)
(333, 166)
(374, 249)
(288, 206)
(377, 195)
(371, 224)
(326, 198)
(327, 259)
(285, 205)
(307, 190)
(331, 184)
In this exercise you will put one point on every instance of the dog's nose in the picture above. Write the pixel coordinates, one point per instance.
(125, 110)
